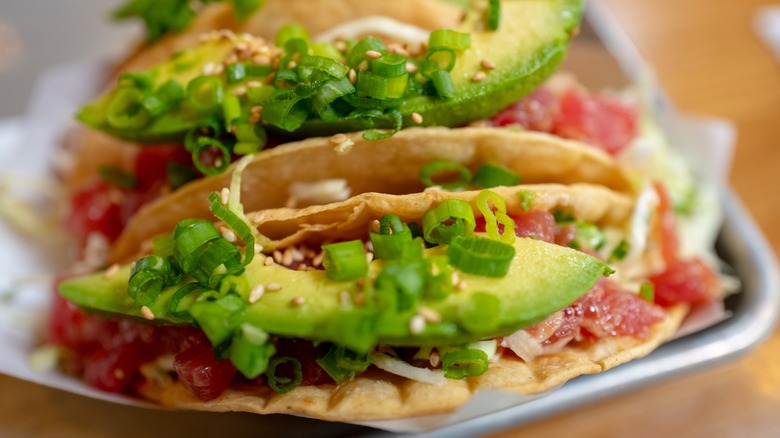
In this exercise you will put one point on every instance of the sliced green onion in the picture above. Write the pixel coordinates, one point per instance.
(205, 127)
(125, 110)
(442, 82)
(231, 110)
(200, 249)
(621, 250)
(480, 256)
(148, 278)
(588, 236)
(526, 199)
(450, 39)
(647, 292)
(221, 164)
(250, 351)
(205, 93)
(443, 166)
(286, 112)
(438, 59)
(289, 32)
(480, 314)
(464, 363)
(327, 65)
(490, 175)
(176, 175)
(328, 92)
(389, 66)
(163, 246)
(494, 14)
(219, 318)
(239, 226)
(167, 96)
(398, 123)
(341, 363)
(294, 50)
(178, 296)
(239, 71)
(358, 52)
(402, 282)
(562, 215)
(244, 8)
(117, 177)
(392, 237)
(345, 260)
(447, 220)
(141, 80)
(284, 384)
(380, 87)
(493, 219)
(327, 50)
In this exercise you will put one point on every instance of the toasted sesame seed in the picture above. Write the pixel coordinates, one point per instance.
(411, 67)
(277, 256)
(254, 84)
(344, 298)
(258, 217)
(239, 91)
(297, 254)
(224, 195)
(455, 278)
(227, 234)
(360, 299)
(254, 118)
(435, 360)
(242, 46)
(397, 49)
(256, 293)
(462, 285)
(340, 45)
(417, 118)
(368, 246)
(208, 69)
(230, 59)
(361, 283)
(416, 324)
(258, 248)
(375, 225)
(430, 315)
(487, 64)
(287, 257)
(298, 301)
(111, 271)
(303, 267)
(292, 64)
(268, 261)
(338, 139)
(317, 260)
(146, 312)
(273, 287)
(352, 75)
(373, 54)
(369, 257)
(218, 69)
(263, 60)
(478, 76)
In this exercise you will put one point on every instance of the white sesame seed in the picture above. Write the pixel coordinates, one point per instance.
(317, 260)
(218, 69)
(263, 60)
(146, 312)
(369, 257)
(258, 248)
(341, 46)
(287, 257)
(224, 195)
(303, 267)
(417, 118)
(242, 46)
(352, 75)
(487, 65)
(239, 91)
(338, 139)
(455, 278)
(344, 298)
(277, 256)
(228, 234)
(373, 54)
(208, 69)
(297, 254)
(416, 324)
(369, 246)
(411, 67)
(375, 225)
(258, 217)
(462, 285)
(268, 261)
(256, 293)
(298, 301)
(273, 287)
(292, 64)
(430, 315)
(435, 359)
(478, 76)
(254, 84)
(111, 271)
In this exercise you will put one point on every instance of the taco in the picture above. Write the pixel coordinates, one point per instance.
(414, 331)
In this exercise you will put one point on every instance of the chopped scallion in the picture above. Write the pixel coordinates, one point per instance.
(480, 256)
(448, 220)
(345, 260)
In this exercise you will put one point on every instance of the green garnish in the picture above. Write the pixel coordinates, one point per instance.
(464, 363)
(490, 175)
(526, 199)
(345, 260)
(393, 235)
(621, 250)
(445, 167)
(117, 177)
(447, 220)
(341, 363)
(284, 384)
(480, 256)
(492, 220)
(647, 292)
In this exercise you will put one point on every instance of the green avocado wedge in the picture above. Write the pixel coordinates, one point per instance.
(498, 68)
(542, 279)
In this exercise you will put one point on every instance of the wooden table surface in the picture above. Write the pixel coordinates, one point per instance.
(710, 62)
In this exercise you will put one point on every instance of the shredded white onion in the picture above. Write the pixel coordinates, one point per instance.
(319, 192)
(523, 344)
(400, 368)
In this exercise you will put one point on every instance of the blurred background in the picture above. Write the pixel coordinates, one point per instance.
(709, 55)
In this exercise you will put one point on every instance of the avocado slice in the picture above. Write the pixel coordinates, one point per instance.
(527, 47)
(543, 278)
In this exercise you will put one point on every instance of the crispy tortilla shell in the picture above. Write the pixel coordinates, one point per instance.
(389, 166)
(377, 395)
